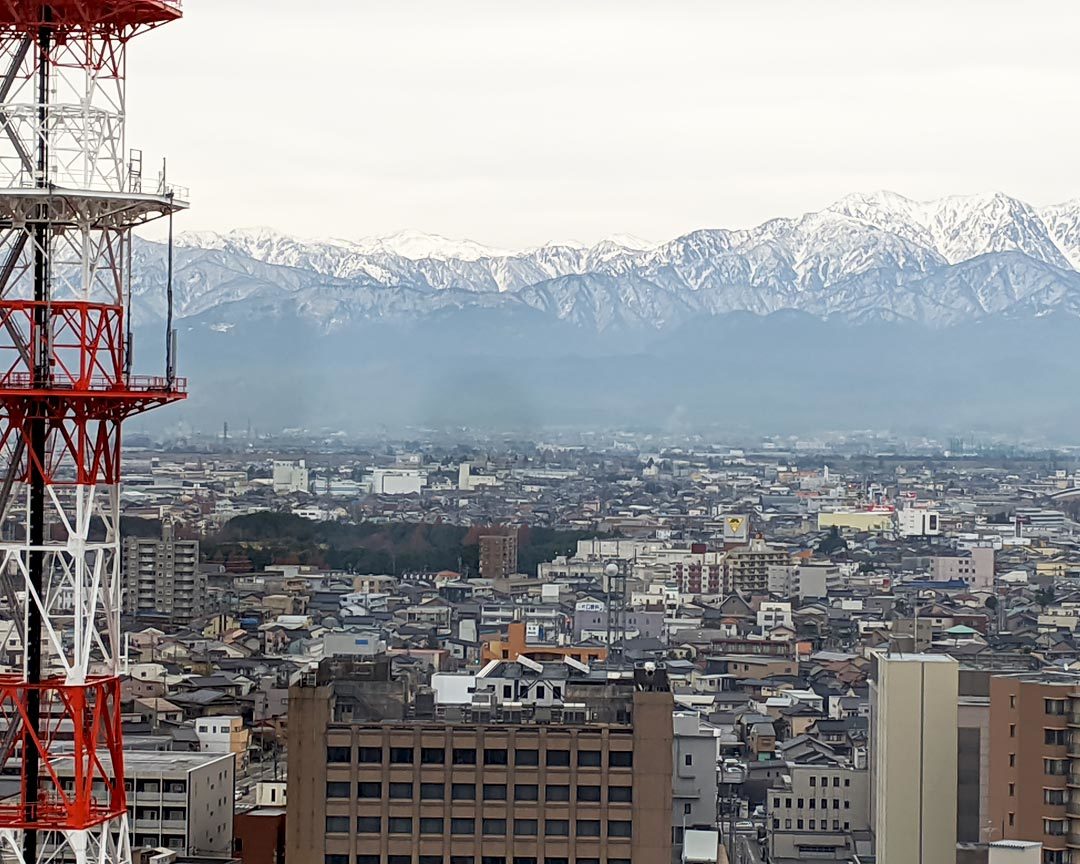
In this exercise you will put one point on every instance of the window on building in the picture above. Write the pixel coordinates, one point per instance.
(431, 825)
(463, 792)
(1054, 737)
(369, 790)
(688, 759)
(337, 824)
(799, 824)
(401, 791)
(556, 792)
(1012, 760)
(1054, 827)
(588, 827)
(339, 755)
(369, 755)
(401, 755)
(813, 781)
(494, 757)
(1054, 707)
(399, 859)
(332, 858)
(1056, 767)
(462, 826)
(620, 794)
(813, 824)
(430, 859)
(687, 809)
(557, 758)
(494, 792)
(526, 792)
(588, 793)
(432, 791)
(526, 757)
(464, 756)
(525, 827)
(368, 825)
(367, 859)
(620, 759)
(399, 825)
(432, 756)
(618, 828)
(588, 758)
(338, 789)
(494, 827)
(556, 828)
(1055, 797)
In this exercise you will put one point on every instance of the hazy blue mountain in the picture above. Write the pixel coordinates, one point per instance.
(875, 311)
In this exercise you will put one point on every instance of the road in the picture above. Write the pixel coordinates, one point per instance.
(747, 849)
(256, 772)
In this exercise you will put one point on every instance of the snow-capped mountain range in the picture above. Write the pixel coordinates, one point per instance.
(868, 257)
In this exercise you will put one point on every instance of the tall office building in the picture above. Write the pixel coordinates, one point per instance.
(498, 553)
(914, 742)
(162, 577)
(1032, 762)
(549, 765)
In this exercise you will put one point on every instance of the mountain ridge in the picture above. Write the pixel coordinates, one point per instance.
(876, 256)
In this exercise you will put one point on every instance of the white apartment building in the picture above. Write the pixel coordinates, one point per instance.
(224, 735)
(290, 477)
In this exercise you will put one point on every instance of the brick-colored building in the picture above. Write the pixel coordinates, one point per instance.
(507, 786)
(1034, 770)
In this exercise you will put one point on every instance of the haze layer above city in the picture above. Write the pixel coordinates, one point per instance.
(944, 316)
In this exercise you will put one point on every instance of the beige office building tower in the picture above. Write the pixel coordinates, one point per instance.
(913, 741)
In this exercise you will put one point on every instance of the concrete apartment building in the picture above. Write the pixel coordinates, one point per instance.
(814, 810)
(161, 577)
(182, 802)
(498, 554)
(746, 568)
(1034, 767)
(381, 775)
(694, 779)
(976, 568)
(913, 731)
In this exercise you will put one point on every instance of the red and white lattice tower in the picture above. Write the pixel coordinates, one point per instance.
(70, 195)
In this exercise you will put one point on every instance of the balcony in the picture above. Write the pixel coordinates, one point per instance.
(1073, 839)
(1072, 808)
(1073, 779)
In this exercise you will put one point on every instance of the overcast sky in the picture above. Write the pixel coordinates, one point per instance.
(515, 122)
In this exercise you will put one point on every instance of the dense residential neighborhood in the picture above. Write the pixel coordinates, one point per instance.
(742, 606)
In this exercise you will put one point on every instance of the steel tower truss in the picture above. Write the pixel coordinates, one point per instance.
(70, 195)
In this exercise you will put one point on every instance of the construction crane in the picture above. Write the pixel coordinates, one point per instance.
(70, 196)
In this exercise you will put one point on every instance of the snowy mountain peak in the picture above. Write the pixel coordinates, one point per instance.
(867, 257)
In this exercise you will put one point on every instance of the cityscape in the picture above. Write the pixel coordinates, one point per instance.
(339, 543)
